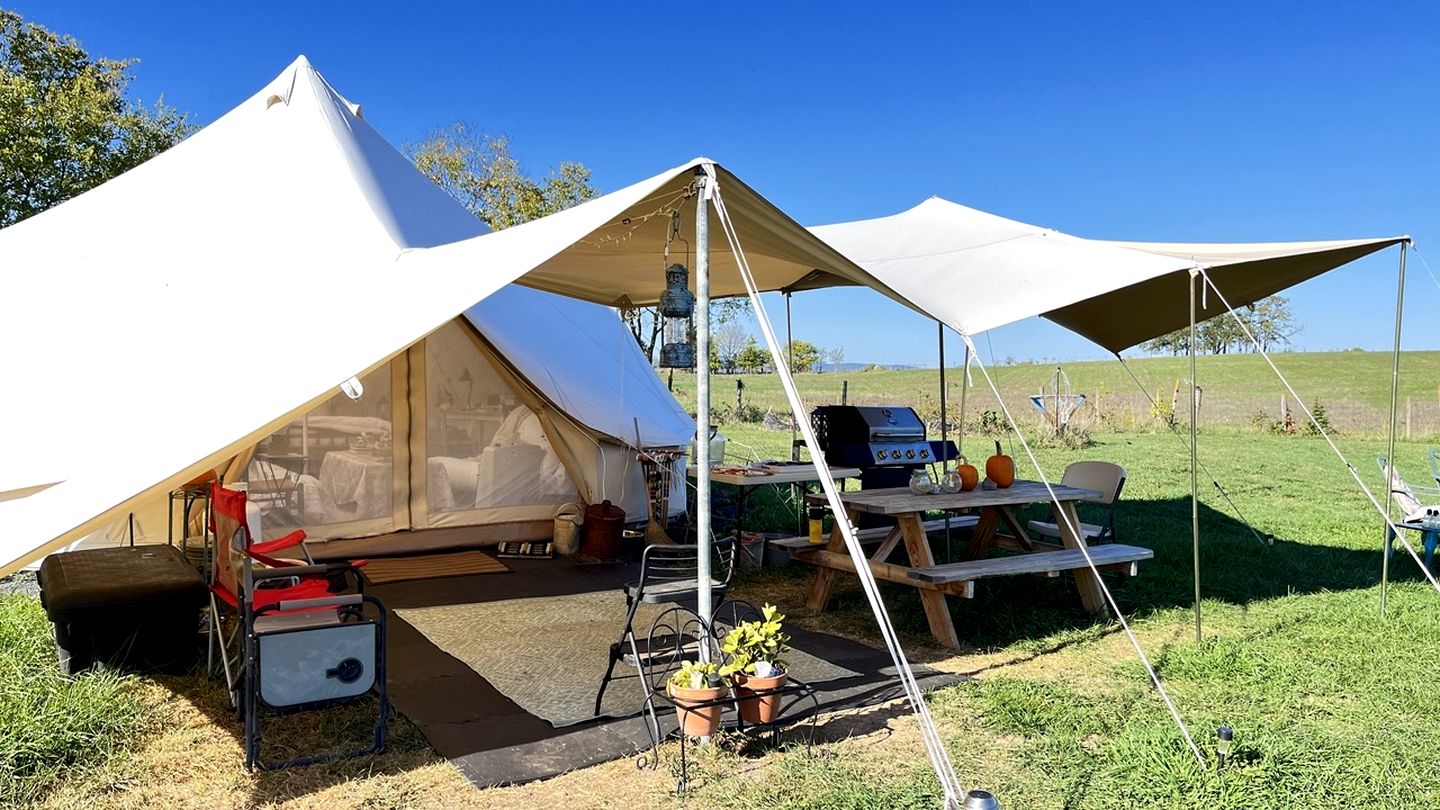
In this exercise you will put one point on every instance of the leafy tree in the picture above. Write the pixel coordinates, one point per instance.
(1269, 320)
(65, 124)
(835, 356)
(753, 359)
(804, 356)
(479, 171)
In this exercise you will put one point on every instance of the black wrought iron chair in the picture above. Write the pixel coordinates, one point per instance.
(668, 574)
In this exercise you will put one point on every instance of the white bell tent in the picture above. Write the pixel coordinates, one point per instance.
(209, 303)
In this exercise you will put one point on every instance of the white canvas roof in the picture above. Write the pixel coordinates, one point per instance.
(140, 319)
(976, 271)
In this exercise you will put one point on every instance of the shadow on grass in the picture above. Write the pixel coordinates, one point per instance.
(1234, 568)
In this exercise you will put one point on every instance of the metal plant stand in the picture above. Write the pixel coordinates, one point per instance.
(677, 635)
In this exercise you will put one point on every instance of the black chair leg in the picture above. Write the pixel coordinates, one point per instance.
(616, 651)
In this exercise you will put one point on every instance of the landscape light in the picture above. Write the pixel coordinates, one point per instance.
(677, 307)
(980, 800)
(1223, 744)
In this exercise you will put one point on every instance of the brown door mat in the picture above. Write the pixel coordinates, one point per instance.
(431, 566)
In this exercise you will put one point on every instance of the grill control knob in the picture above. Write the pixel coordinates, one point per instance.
(924, 454)
(881, 455)
(909, 453)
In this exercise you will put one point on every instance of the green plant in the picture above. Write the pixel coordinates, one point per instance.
(1322, 419)
(695, 675)
(757, 643)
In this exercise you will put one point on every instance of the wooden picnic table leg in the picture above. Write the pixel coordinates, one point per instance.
(825, 577)
(1016, 528)
(984, 533)
(1085, 579)
(937, 613)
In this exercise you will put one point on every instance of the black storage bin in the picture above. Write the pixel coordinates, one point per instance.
(136, 607)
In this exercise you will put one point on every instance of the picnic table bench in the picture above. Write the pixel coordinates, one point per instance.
(936, 581)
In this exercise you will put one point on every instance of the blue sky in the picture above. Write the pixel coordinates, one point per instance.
(1159, 121)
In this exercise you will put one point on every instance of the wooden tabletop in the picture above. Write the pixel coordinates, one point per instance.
(782, 474)
(901, 500)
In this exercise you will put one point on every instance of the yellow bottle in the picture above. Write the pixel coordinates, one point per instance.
(817, 525)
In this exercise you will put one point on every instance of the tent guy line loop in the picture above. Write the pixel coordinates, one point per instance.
(1355, 474)
(1176, 433)
(1090, 562)
(934, 744)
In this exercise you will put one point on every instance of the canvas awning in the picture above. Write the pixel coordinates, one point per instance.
(976, 271)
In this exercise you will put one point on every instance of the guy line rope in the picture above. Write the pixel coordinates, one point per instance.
(934, 745)
(1399, 535)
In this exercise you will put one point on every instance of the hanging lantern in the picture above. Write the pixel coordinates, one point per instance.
(677, 307)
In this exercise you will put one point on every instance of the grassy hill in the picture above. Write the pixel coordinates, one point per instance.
(1354, 387)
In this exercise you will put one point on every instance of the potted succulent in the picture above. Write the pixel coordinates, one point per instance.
(755, 667)
(695, 689)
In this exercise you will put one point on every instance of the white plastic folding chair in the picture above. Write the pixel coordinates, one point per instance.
(1101, 476)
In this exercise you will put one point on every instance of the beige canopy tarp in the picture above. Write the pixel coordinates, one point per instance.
(976, 271)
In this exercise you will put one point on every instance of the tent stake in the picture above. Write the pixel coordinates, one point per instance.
(703, 604)
(1194, 460)
(1390, 453)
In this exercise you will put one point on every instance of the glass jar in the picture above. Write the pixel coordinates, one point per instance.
(920, 482)
(952, 482)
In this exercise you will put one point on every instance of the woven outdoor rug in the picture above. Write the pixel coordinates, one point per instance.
(429, 566)
(548, 654)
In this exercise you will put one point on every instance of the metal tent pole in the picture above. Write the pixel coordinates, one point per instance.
(1194, 459)
(790, 364)
(702, 404)
(964, 391)
(1390, 453)
(944, 429)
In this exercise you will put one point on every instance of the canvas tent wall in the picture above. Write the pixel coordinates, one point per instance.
(457, 432)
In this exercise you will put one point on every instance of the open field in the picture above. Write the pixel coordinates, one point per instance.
(1330, 703)
(1353, 386)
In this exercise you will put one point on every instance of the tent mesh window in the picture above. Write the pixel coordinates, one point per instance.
(487, 448)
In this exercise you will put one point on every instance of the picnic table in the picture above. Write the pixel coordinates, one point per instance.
(747, 478)
(935, 582)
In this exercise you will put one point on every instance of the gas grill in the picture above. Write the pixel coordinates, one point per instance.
(886, 443)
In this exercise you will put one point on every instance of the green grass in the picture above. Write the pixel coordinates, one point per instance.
(51, 725)
(1331, 704)
(1354, 387)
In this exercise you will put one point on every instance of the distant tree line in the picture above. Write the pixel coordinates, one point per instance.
(732, 351)
(1269, 320)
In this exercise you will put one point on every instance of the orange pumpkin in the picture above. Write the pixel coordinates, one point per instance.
(1000, 468)
(969, 476)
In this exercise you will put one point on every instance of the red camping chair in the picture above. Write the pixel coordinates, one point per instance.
(296, 643)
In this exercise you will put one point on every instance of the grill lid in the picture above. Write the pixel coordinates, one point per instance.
(847, 424)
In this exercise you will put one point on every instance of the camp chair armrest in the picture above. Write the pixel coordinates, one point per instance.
(319, 569)
(290, 540)
(349, 600)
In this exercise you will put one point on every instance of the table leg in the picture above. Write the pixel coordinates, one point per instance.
(1016, 528)
(984, 534)
(825, 577)
(1085, 579)
(937, 613)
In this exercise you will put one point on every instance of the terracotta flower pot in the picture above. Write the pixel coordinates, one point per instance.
(696, 719)
(758, 709)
